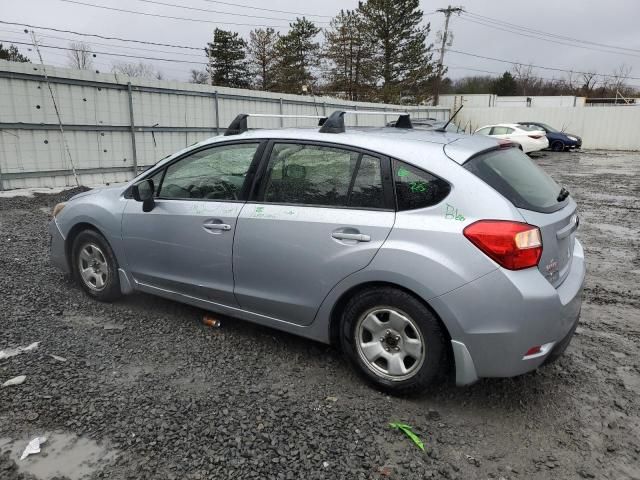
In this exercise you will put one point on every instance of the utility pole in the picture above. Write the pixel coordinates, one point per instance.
(447, 14)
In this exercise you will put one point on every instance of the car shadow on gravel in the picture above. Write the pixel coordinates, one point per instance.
(512, 393)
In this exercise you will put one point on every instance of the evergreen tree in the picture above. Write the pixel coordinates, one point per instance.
(12, 54)
(297, 54)
(349, 52)
(505, 85)
(227, 60)
(403, 61)
(262, 56)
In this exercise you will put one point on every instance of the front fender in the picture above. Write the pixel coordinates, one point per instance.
(103, 211)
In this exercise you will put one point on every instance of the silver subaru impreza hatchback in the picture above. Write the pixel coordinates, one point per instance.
(411, 250)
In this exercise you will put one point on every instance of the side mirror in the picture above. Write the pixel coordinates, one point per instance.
(142, 191)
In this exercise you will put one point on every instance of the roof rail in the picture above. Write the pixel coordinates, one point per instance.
(335, 122)
(239, 124)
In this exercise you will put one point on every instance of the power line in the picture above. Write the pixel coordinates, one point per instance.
(157, 15)
(104, 37)
(115, 54)
(216, 11)
(537, 37)
(251, 7)
(92, 43)
(536, 66)
(554, 35)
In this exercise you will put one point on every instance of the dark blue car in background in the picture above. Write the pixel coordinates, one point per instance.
(558, 141)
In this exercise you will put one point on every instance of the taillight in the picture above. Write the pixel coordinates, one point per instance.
(535, 136)
(513, 245)
(505, 144)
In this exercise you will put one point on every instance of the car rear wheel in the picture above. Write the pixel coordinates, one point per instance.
(95, 267)
(394, 341)
(557, 146)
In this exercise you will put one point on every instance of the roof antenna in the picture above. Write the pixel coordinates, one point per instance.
(444, 127)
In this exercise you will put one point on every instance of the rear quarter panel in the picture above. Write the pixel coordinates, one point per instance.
(426, 251)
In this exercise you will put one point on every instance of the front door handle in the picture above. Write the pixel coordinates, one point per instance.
(217, 226)
(358, 237)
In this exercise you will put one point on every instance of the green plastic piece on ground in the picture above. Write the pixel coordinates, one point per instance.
(406, 429)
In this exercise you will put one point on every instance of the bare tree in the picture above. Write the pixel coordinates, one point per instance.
(80, 56)
(617, 81)
(140, 69)
(199, 76)
(589, 80)
(524, 77)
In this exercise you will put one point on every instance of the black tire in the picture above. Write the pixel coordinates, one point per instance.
(97, 244)
(431, 333)
(557, 146)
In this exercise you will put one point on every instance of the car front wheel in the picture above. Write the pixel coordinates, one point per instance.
(557, 146)
(394, 340)
(95, 267)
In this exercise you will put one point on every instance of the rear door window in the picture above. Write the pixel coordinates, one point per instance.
(306, 174)
(516, 177)
(416, 188)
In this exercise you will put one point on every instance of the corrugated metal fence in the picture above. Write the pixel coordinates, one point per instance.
(115, 125)
(606, 128)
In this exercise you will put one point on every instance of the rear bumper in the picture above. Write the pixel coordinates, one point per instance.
(534, 145)
(494, 320)
(57, 254)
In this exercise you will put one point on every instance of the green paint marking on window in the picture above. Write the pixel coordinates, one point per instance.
(403, 172)
(417, 187)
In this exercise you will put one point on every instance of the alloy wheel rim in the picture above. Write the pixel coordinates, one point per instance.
(390, 343)
(93, 267)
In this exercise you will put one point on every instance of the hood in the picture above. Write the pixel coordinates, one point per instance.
(93, 191)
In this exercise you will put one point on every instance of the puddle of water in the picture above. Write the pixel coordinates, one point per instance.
(62, 454)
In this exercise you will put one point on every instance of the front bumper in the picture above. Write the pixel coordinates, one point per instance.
(494, 320)
(57, 253)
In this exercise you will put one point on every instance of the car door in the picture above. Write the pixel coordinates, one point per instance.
(185, 243)
(320, 213)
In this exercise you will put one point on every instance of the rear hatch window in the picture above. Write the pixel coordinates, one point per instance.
(535, 194)
(516, 177)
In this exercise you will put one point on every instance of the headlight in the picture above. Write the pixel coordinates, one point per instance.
(58, 208)
(572, 138)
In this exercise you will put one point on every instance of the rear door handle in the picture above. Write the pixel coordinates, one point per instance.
(217, 226)
(358, 237)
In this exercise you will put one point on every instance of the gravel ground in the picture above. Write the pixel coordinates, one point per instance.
(147, 391)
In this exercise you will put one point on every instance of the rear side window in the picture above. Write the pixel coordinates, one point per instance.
(516, 177)
(416, 188)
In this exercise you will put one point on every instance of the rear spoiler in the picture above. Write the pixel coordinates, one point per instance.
(465, 148)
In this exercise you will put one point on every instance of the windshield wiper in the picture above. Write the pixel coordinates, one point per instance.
(564, 193)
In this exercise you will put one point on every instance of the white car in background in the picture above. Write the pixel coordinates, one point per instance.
(530, 140)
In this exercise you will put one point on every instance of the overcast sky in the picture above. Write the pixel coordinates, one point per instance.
(614, 22)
